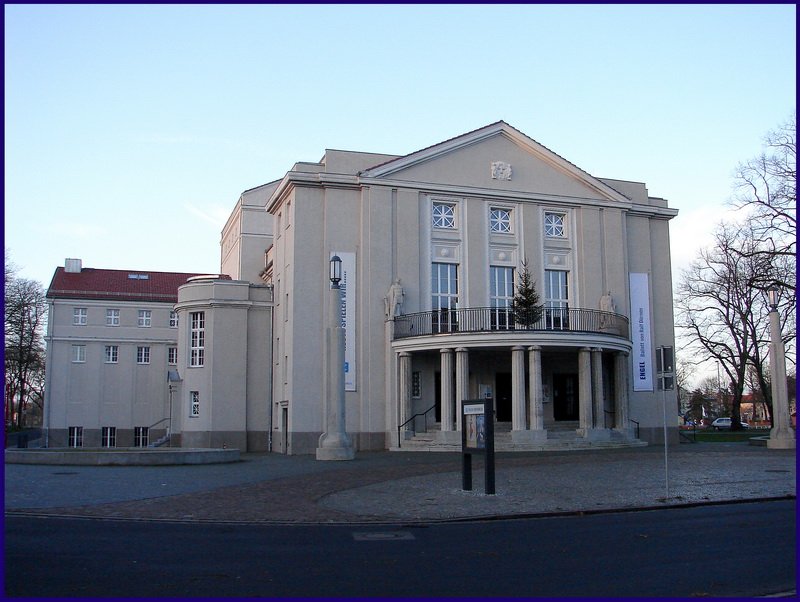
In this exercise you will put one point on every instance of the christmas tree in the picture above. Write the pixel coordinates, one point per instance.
(526, 307)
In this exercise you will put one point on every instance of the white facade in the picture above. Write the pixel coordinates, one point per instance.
(433, 244)
(108, 354)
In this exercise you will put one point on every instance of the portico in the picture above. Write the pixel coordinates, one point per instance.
(542, 380)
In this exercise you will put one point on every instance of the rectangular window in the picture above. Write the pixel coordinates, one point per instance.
(444, 297)
(141, 436)
(76, 436)
(143, 355)
(194, 398)
(173, 319)
(443, 215)
(172, 356)
(197, 342)
(78, 354)
(80, 316)
(144, 318)
(556, 299)
(112, 354)
(500, 220)
(416, 391)
(554, 225)
(501, 296)
(109, 436)
(112, 317)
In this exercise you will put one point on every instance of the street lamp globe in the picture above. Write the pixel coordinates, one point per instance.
(336, 270)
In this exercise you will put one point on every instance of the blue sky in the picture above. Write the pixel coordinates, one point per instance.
(131, 130)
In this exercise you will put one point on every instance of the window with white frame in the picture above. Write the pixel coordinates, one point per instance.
(500, 220)
(444, 296)
(141, 436)
(197, 338)
(172, 356)
(173, 319)
(145, 316)
(194, 399)
(80, 316)
(75, 436)
(112, 354)
(501, 295)
(78, 354)
(556, 298)
(554, 225)
(112, 317)
(443, 215)
(143, 355)
(109, 436)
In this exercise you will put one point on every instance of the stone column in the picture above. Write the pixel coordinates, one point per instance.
(447, 433)
(518, 418)
(462, 381)
(597, 389)
(584, 391)
(535, 397)
(405, 392)
(621, 418)
(781, 436)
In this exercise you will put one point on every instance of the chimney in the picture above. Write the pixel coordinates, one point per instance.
(72, 266)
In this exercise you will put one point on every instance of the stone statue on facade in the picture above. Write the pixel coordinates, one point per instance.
(393, 301)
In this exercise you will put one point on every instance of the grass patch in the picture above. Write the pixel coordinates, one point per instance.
(711, 436)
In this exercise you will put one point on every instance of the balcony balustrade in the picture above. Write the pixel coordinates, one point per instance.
(492, 320)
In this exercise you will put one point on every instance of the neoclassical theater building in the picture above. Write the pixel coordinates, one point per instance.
(432, 245)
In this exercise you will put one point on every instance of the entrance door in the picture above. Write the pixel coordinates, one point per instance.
(502, 396)
(565, 396)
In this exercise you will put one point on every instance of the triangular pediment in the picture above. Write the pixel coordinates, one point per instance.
(497, 157)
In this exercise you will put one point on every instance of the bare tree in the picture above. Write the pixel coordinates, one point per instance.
(766, 187)
(25, 314)
(715, 307)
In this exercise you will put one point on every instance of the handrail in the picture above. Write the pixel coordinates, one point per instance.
(155, 423)
(425, 413)
(494, 319)
(637, 426)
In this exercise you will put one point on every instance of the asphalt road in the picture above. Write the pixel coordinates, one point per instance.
(742, 549)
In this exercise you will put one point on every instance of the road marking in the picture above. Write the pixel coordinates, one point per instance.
(382, 535)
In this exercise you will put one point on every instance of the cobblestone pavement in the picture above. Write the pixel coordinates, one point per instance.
(389, 487)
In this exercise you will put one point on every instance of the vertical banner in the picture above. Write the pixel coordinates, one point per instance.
(640, 333)
(348, 286)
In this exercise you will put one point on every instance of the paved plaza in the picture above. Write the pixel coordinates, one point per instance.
(385, 487)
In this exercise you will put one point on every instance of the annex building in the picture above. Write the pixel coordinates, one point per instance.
(433, 244)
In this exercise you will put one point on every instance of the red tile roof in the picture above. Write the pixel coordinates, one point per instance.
(118, 285)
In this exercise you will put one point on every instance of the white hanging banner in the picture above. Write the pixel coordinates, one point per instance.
(640, 332)
(348, 286)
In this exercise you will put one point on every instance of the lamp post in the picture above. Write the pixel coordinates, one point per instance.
(781, 436)
(334, 443)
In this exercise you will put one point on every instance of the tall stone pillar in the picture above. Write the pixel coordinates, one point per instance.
(462, 381)
(584, 391)
(518, 418)
(621, 414)
(535, 397)
(597, 389)
(405, 391)
(447, 433)
(781, 436)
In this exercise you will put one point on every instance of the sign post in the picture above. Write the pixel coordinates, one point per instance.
(666, 382)
(477, 437)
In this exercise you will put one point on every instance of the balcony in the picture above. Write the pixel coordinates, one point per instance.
(499, 319)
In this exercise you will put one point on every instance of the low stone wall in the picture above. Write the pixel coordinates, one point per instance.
(120, 456)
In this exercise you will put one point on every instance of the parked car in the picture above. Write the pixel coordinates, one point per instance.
(725, 423)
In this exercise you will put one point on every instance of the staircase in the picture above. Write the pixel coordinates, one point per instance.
(561, 436)
(159, 442)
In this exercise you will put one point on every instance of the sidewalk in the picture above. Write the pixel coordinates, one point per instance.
(385, 487)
